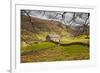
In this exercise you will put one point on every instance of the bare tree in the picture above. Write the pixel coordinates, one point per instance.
(83, 28)
(86, 26)
(27, 12)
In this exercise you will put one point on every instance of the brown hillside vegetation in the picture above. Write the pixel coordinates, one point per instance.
(31, 31)
(41, 25)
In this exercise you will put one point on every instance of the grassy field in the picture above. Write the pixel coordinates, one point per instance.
(60, 53)
(48, 51)
(36, 47)
(67, 40)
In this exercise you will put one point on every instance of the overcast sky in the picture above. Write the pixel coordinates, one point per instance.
(79, 19)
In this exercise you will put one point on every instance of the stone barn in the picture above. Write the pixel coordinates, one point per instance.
(54, 38)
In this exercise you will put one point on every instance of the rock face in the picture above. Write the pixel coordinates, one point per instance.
(54, 38)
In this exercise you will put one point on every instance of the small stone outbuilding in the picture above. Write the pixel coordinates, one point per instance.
(54, 38)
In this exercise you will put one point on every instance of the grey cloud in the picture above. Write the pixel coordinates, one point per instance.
(79, 20)
(79, 17)
(68, 17)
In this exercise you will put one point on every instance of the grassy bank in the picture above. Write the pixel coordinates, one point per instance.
(36, 47)
(60, 53)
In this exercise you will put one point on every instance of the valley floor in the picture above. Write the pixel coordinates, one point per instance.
(49, 51)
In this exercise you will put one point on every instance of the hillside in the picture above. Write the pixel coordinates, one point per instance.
(41, 25)
(39, 28)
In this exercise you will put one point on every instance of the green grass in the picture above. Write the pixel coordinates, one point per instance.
(35, 47)
(67, 40)
(60, 53)
(77, 51)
